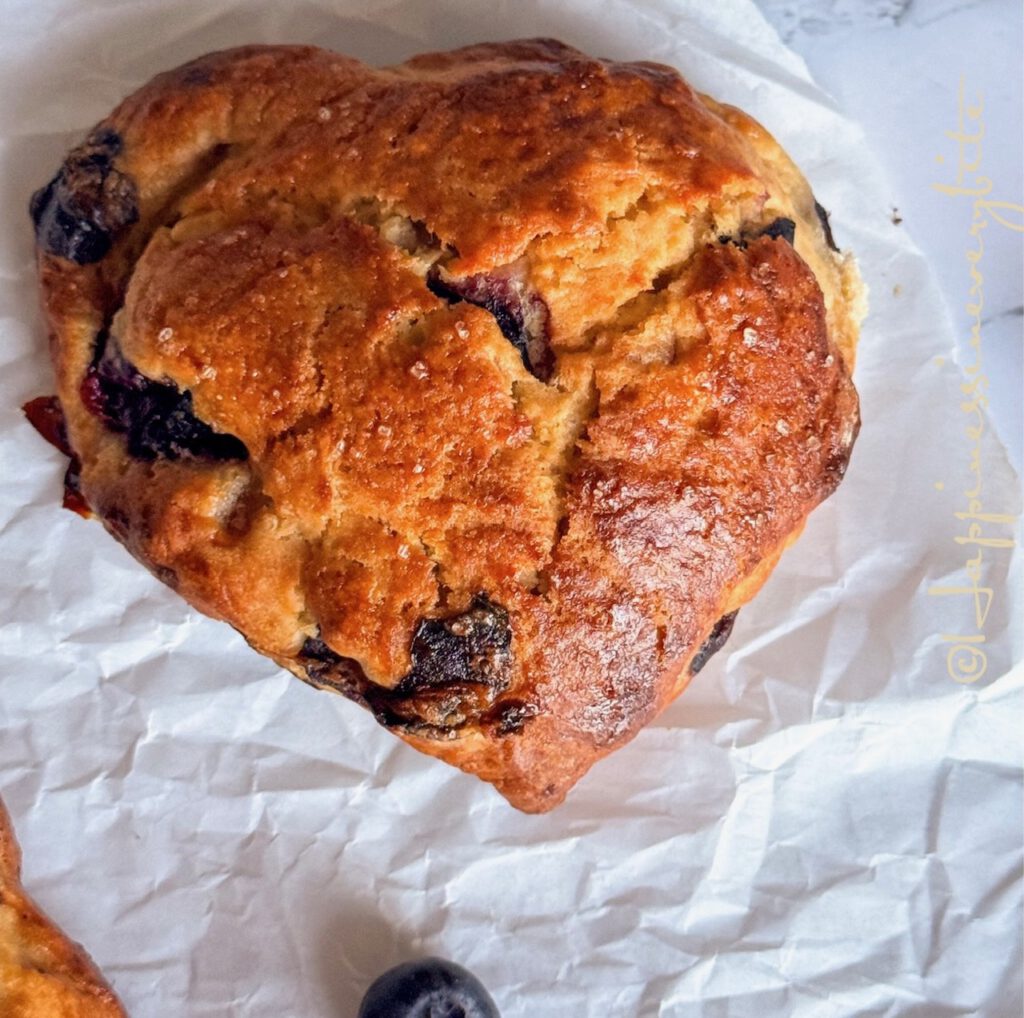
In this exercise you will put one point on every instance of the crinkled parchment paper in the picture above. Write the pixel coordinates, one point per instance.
(827, 823)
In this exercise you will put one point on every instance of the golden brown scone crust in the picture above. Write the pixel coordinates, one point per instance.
(533, 364)
(42, 973)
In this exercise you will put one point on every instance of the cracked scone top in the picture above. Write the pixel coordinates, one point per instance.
(483, 389)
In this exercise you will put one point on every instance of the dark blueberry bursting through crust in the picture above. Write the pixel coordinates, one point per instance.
(509, 717)
(472, 648)
(317, 650)
(88, 204)
(460, 666)
(715, 641)
(522, 317)
(157, 419)
(325, 668)
(825, 226)
(781, 227)
(429, 988)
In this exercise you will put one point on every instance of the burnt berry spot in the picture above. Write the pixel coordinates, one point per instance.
(157, 419)
(522, 316)
(460, 666)
(781, 228)
(473, 647)
(825, 225)
(715, 641)
(88, 204)
(509, 717)
(317, 650)
(326, 668)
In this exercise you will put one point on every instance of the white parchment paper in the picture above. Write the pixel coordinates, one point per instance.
(827, 823)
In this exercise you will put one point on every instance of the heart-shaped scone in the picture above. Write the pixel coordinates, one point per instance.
(42, 973)
(483, 389)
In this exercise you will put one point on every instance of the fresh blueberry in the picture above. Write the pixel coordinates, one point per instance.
(430, 988)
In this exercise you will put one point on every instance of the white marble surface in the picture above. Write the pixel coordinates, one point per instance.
(851, 47)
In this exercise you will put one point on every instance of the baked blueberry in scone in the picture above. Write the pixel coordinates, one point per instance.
(483, 389)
